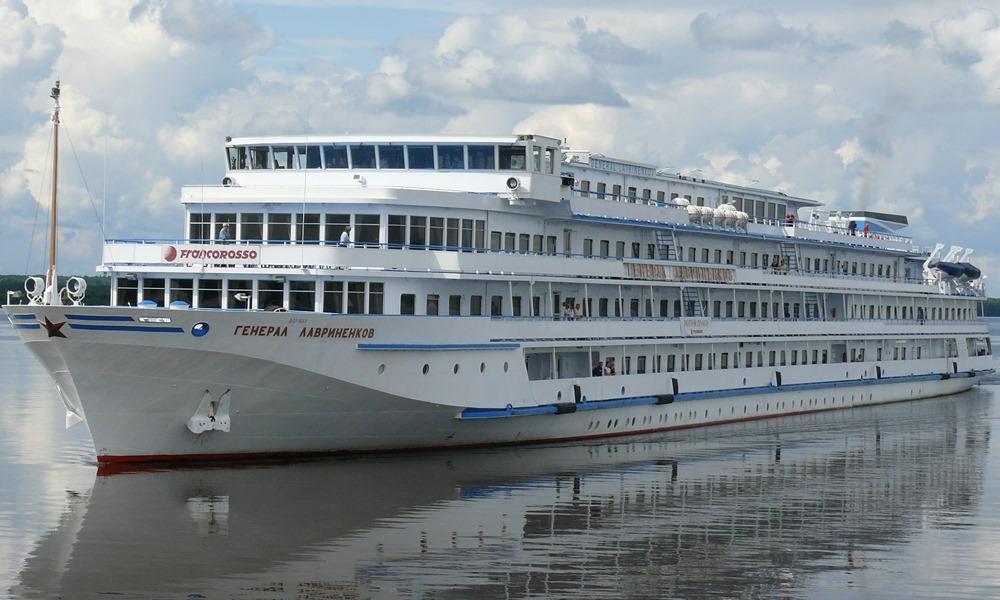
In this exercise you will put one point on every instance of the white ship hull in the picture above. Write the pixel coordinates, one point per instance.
(314, 383)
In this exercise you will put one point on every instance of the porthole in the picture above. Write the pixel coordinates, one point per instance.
(426, 369)
(609, 423)
(559, 396)
(616, 422)
(505, 367)
(455, 369)
(381, 369)
(482, 367)
(623, 390)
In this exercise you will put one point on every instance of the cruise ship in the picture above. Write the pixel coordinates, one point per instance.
(373, 293)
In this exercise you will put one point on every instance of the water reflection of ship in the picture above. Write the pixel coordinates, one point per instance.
(757, 507)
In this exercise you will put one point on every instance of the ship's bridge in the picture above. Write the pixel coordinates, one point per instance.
(526, 166)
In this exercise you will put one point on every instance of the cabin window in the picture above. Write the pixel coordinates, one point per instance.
(588, 247)
(436, 239)
(512, 158)
(237, 157)
(209, 293)
(333, 297)
(336, 224)
(127, 292)
(451, 157)
(259, 157)
(270, 294)
(454, 305)
(362, 157)
(335, 157)
(309, 157)
(601, 189)
(302, 295)
(550, 244)
(251, 227)
(390, 157)
(182, 290)
(376, 294)
(355, 297)
(407, 304)
(523, 243)
(616, 192)
(550, 160)
(636, 249)
(620, 249)
(279, 226)
(200, 227)
(307, 228)
(420, 157)
(495, 240)
(397, 231)
(515, 306)
(664, 308)
(432, 304)
(584, 189)
(366, 229)
(496, 306)
(476, 305)
(508, 241)
(283, 157)
(482, 157)
(605, 248)
(239, 287)
(418, 231)
(631, 194)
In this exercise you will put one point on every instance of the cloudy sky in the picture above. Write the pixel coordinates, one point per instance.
(881, 105)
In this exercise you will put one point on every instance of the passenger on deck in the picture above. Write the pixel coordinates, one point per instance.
(609, 366)
(789, 219)
(345, 237)
(852, 227)
(577, 312)
(598, 369)
(867, 230)
(224, 234)
(568, 310)
(775, 262)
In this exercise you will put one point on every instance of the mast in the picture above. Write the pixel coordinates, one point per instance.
(52, 282)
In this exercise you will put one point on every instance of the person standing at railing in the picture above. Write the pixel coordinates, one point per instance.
(867, 231)
(345, 236)
(224, 234)
(852, 227)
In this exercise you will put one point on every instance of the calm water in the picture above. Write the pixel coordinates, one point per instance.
(897, 501)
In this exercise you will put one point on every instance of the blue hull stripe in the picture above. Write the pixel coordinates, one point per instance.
(99, 317)
(484, 346)
(141, 328)
(488, 413)
(27, 326)
(22, 317)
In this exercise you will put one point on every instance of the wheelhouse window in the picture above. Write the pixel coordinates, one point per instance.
(259, 156)
(251, 227)
(390, 157)
(237, 157)
(482, 157)
(451, 157)
(309, 157)
(512, 158)
(335, 157)
(279, 226)
(407, 304)
(302, 295)
(420, 157)
(283, 157)
(362, 157)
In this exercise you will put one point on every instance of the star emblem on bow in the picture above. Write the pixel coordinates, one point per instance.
(53, 329)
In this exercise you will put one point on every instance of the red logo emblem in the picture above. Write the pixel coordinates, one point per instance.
(169, 253)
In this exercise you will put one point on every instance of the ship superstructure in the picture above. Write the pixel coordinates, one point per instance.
(346, 293)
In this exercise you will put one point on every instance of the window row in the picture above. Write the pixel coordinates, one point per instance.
(392, 156)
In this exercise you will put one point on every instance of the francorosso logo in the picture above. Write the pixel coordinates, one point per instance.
(171, 253)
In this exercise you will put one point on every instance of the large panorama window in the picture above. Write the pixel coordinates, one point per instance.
(259, 157)
(451, 157)
(390, 157)
(420, 157)
(362, 157)
(283, 156)
(335, 157)
(237, 157)
(512, 158)
(309, 157)
(481, 157)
